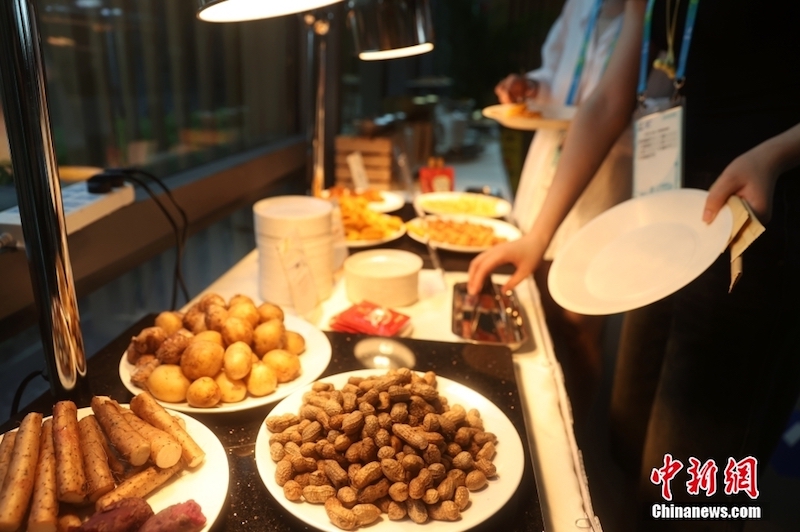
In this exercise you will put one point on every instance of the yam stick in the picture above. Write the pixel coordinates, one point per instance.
(70, 476)
(139, 485)
(99, 479)
(6, 447)
(43, 516)
(114, 463)
(68, 523)
(165, 451)
(130, 444)
(18, 486)
(148, 409)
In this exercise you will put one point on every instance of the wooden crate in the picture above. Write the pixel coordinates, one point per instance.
(377, 154)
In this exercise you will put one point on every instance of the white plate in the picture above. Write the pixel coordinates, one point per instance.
(461, 203)
(313, 362)
(367, 243)
(390, 202)
(207, 484)
(510, 460)
(501, 229)
(638, 252)
(554, 116)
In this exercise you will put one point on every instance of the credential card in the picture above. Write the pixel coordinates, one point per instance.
(658, 152)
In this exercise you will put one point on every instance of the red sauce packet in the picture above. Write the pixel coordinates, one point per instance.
(368, 318)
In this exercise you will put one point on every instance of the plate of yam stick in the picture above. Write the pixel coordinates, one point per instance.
(61, 471)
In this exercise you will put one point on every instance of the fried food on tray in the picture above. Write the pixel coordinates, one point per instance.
(457, 233)
(362, 223)
(477, 204)
(522, 110)
(338, 191)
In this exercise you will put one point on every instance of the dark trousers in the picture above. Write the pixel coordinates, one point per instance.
(708, 374)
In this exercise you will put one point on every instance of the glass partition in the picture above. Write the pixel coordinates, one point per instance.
(144, 83)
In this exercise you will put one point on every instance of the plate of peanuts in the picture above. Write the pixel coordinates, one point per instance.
(389, 450)
(60, 470)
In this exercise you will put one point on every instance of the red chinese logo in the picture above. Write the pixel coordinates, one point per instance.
(664, 475)
(741, 476)
(702, 477)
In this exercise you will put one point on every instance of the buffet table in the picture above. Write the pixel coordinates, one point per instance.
(526, 385)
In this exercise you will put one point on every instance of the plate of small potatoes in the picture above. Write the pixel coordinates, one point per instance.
(218, 356)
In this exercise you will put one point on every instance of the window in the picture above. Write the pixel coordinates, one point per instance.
(144, 83)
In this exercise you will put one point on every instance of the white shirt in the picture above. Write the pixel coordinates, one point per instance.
(612, 183)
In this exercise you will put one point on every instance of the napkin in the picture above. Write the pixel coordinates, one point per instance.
(369, 318)
(746, 228)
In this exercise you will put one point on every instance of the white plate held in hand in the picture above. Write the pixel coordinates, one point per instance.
(638, 252)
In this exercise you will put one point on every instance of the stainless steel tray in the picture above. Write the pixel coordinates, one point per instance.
(500, 319)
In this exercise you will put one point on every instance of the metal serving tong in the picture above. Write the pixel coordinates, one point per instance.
(497, 311)
(432, 253)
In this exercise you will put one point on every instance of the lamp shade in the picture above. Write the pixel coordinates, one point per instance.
(387, 29)
(241, 10)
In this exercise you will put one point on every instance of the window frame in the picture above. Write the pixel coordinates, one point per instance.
(135, 233)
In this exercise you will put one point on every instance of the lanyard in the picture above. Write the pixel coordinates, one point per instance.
(691, 15)
(576, 77)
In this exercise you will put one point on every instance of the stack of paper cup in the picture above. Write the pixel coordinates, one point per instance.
(301, 222)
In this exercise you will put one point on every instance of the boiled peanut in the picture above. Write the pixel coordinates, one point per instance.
(318, 494)
(366, 513)
(292, 490)
(444, 511)
(475, 480)
(339, 515)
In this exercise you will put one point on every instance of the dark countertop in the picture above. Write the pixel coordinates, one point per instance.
(487, 369)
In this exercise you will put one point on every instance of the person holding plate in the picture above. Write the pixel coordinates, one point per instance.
(574, 57)
(703, 373)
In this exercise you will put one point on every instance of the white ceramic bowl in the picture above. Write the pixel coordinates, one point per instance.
(387, 277)
(292, 216)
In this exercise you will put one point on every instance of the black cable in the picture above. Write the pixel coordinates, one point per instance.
(184, 218)
(21, 389)
(177, 274)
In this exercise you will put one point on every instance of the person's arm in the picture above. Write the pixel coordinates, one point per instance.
(552, 50)
(753, 174)
(515, 87)
(598, 123)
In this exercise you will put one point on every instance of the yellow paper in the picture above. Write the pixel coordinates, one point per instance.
(746, 228)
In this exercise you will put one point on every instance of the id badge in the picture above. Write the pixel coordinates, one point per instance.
(658, 147)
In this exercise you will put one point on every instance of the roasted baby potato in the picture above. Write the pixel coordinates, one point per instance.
(262, 380)
(209, 336)
(240, 298)
(170, 321)
(215, 317)
(268, 311)
(268, 336)
(233, 390)
(245, 311)
(204, 393)
(294, 343)
(168, 383)
(194, 320)
(238, 360)
(202, 359)
(236, 330)
(285, 364)
(173, 347)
